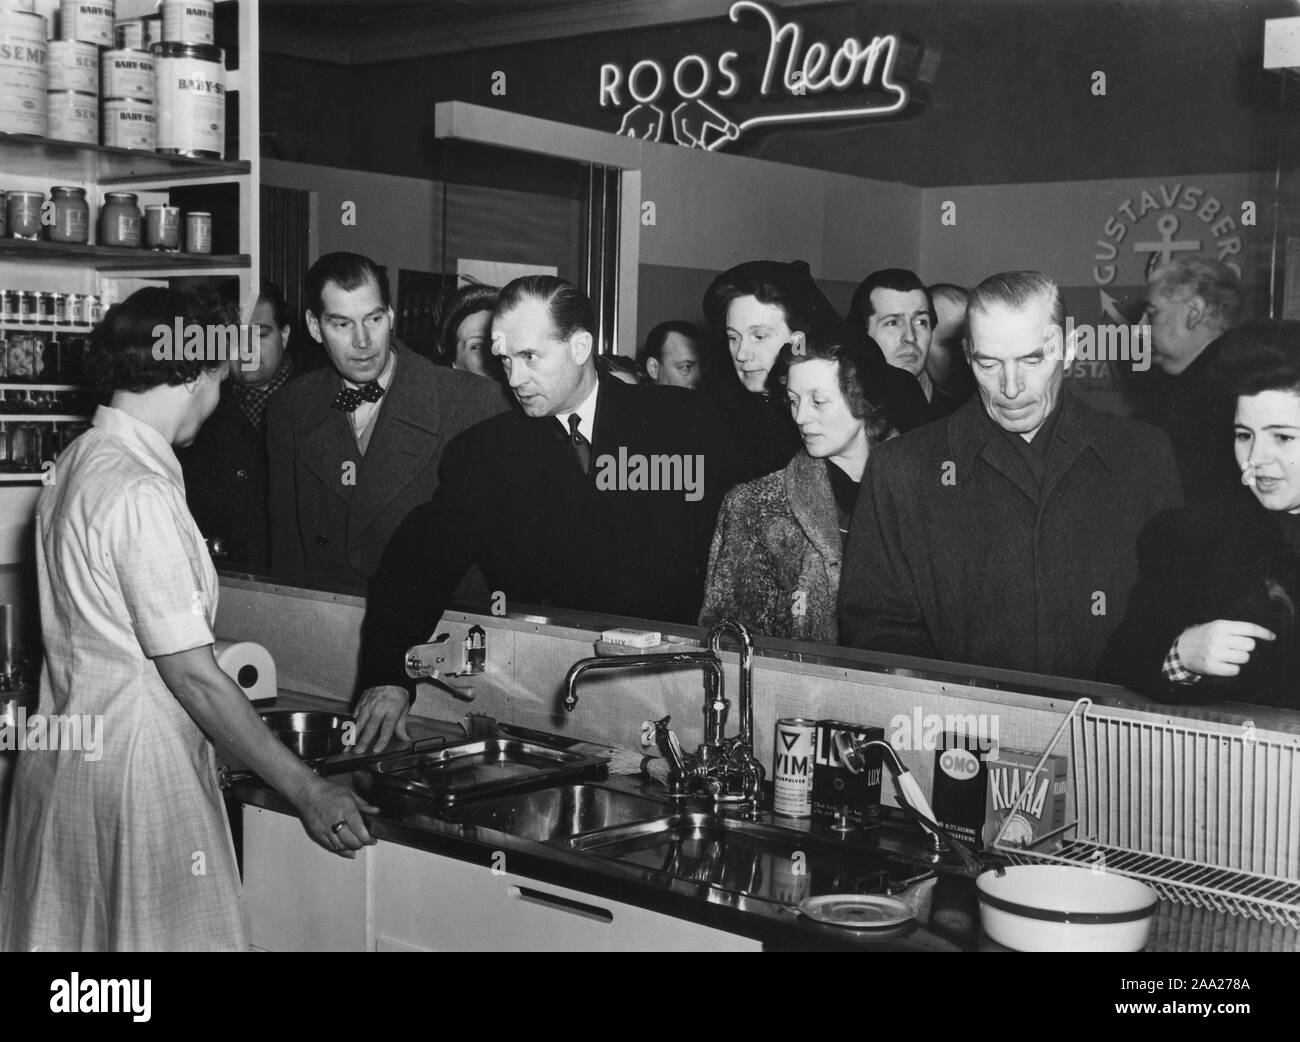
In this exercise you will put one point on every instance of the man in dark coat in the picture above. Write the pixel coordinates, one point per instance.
(1192, 303)
(893, 312)
(599, 496)
(226, 468)
(354, 447)
(1006, 534)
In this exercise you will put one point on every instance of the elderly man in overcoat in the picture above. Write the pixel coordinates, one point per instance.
(1006, 534)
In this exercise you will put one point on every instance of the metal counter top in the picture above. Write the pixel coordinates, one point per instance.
(948, 907)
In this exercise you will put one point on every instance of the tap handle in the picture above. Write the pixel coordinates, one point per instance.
(670, 748)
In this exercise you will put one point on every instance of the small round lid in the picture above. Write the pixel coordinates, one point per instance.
(858, 911)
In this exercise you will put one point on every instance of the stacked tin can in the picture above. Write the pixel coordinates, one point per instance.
(130, 93)
(24, 69)
(190, 78)
(84, 28)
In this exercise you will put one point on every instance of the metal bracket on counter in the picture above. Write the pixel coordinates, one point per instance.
(443, 659)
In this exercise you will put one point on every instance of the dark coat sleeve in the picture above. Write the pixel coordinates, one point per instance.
(287, 559)
(423, 563)
(1162, 605)
(878, 603)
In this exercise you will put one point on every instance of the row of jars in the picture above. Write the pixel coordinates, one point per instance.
(66, 218)
(23, 308)
(25, 446)
(42, 358)
(17, 400)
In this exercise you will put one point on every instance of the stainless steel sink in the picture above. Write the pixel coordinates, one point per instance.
(558, 813)
(481, 768)
(762, 861)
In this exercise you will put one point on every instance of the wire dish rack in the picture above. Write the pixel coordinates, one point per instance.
(1206, 815)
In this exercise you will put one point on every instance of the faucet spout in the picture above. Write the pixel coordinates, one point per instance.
(741, 632)
(703, 659)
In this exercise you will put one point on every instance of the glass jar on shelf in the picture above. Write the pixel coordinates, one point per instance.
(21, 450)
(52, 372)
(5, 468)
(119, 220)
(71, 215)
(71, 353)
(18, 358)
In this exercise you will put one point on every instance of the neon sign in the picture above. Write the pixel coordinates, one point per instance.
(791, 69)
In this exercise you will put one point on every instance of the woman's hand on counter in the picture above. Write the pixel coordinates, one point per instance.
(381, 714)
(332, 816)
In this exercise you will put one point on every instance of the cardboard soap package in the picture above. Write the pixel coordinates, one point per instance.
(835, 786)
(958, 798)
(1041, 812)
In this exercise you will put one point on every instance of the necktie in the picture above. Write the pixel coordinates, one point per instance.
(350, 397)
(580, 445)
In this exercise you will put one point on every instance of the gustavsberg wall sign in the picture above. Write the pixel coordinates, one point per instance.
(694, 100)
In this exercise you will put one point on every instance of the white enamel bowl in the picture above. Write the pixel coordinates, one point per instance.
(1057, 908)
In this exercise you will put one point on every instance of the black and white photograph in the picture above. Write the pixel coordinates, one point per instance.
(651, 475)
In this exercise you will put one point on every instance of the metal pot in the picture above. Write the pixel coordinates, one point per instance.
(308, 734)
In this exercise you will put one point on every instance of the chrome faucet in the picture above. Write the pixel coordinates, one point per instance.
(724, 768)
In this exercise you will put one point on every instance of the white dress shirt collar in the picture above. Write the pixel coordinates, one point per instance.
(586, 416)
(364, 414)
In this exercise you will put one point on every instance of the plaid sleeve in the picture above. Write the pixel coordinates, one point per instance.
(1174, 670)
(157, 573)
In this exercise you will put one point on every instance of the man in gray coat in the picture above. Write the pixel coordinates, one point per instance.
(1006, 534)
(354, 447)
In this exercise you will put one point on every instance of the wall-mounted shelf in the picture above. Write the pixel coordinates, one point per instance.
(117, 258)
(14, 385)
(28, 328)
(24, 156)
(25, 478)
(42, 417)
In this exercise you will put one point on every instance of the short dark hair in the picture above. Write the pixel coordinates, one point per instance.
(230, 289)
(459, 305)
(270, 292)
(348, 271)
(898, 279)
(853, 365)
(794, 292)
(121, 355)
(569, 308)
(1259, 356)
(657, 337)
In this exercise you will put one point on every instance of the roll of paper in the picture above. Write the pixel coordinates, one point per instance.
(250, 666)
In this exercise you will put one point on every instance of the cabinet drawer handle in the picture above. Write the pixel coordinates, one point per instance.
(564, 904)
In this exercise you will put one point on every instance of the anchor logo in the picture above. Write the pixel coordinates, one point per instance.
(1189, 220)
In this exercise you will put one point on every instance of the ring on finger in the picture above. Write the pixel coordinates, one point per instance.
(336, 826)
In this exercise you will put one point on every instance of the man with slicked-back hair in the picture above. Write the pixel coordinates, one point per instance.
(355, 446)
(537, 499)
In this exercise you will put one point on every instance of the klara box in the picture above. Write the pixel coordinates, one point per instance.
(1041, 812)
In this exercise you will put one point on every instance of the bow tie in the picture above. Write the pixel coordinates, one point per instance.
(350, 397)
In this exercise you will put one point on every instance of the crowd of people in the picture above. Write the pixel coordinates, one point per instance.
(914, 478)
